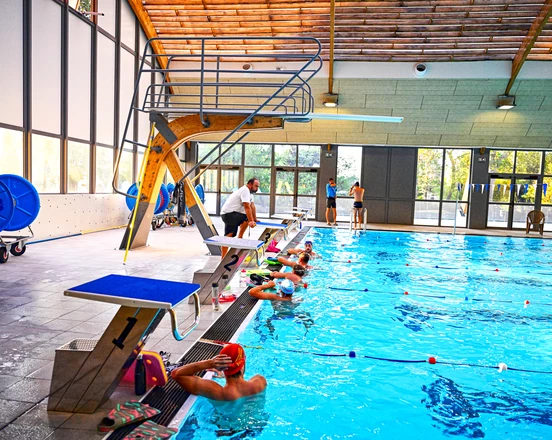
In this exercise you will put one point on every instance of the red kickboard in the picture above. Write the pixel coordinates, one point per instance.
(155, 370)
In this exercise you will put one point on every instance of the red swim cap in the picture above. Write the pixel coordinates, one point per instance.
(237, 354)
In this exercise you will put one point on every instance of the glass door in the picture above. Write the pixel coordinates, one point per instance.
(284, 189)
(510, 199)
(499, 212)
(210, 179)
(229, 182)
(524, 200)
(307, 184)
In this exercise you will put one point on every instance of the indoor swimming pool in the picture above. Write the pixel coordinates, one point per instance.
(399, 336)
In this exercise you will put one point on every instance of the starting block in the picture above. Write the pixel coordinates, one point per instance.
(292, 221)
(238, 250)
(87, 371)
(271, 229)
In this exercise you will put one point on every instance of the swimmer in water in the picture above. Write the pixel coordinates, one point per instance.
(230, 361)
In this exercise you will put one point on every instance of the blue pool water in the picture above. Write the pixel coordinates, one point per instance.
(331, 397)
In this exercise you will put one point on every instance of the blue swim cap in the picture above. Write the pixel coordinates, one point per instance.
(287, 287)
(308, 242)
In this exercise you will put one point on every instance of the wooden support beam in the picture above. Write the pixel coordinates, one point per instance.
(163, 157)
(536, 28)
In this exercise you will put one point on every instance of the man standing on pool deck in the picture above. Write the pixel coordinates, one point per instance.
(239, 211)
(331, 194)
(231, 361)
(358, 193)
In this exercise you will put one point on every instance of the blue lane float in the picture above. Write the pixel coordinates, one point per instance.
(25, 200)
(160, 205)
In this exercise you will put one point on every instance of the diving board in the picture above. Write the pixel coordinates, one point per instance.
(87, 371)
(238, 250)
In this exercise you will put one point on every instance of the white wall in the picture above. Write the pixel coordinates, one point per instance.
(66, 214)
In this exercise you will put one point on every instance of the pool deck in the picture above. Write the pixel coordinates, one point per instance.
(36, 318)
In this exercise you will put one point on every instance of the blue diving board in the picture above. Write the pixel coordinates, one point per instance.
(270, 225)
(234, 242)
(135, 291)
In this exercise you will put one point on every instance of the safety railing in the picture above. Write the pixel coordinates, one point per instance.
(207, 79)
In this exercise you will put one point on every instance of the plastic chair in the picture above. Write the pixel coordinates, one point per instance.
(535, 218)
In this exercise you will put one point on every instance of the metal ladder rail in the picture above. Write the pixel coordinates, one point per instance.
(218, 72)
(166, 83)
(231, 133)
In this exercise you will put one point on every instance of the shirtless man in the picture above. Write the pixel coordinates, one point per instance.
(296, 275)
(358, 193)
(307, 250)
(231, 361)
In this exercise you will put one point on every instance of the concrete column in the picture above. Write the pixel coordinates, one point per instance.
(328, 168)
(477, 218)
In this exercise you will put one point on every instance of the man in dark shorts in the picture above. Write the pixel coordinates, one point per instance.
(331, 194)
(239, 211)
(358, 193)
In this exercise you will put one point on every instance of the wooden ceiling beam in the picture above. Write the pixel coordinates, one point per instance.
(540, 22)
(149, 29)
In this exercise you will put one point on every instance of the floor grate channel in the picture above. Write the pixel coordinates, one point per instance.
(225, 327)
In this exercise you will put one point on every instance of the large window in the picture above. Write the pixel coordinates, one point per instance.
(78, 167)
(514, 184)
(11, 152)
(104, 170)
(287, 175)
(46, 164)
(126, 167)
(61, 93)
(547, 191)
(442, 187)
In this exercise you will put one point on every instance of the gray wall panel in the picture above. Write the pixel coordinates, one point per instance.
(400, 212)
(402, 173)
(376, 210)
(374, 176)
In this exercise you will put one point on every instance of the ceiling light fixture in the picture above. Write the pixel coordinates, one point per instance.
(506, 102)
(330, 99)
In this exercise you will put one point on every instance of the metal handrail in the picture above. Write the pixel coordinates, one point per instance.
(294, 95)
(174, 321)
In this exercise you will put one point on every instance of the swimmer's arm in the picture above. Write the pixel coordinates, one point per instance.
(277, 274)
(285, 261)
(295, 251)
(184, 376)
(259, 292)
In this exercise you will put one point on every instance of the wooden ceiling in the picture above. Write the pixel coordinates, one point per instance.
(440, 30)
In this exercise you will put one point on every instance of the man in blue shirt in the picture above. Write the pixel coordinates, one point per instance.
(331, 194)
